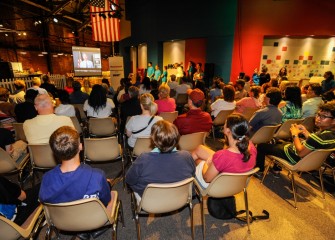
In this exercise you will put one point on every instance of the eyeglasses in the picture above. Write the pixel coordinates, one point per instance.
(323, 117)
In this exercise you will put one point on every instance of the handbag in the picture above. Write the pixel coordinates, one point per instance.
(222, 208)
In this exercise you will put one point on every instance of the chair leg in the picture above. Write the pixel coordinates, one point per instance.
(121, 213)
(294, 190)
(321, 183)
(191, 218)
(138, 226)
(213, 128)
(247, 208)
(203, 217)
(266, 171)
(123, 175)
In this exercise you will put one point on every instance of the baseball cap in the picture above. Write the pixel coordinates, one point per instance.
(196, 95)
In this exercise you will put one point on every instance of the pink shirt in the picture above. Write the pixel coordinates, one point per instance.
(230, 162)
(247, 102)
(166, 105)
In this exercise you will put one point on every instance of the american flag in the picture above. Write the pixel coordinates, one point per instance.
(104, 29)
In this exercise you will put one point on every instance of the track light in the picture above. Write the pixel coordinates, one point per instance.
(55, 20)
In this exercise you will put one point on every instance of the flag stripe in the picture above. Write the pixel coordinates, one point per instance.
(104, 30)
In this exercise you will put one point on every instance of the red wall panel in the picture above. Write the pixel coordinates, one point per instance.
(195, 50)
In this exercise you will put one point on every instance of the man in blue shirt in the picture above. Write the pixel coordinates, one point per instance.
(71, 180)
(150, 71)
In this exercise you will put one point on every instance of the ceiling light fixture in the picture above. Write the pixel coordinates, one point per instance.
(55, 20)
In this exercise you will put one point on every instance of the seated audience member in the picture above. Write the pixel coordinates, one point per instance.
(131, 107)
(26, 110)
(36, 86)
(18, 95)
(172, 83)
(314, 99)
(249, 102)
(145, 86)
(304, 90)
(98, 105)
(69, 85)
(47, 85)
(154, 89)
(239, 156)
(164, 164)
(65, 108)
(110, 90)
(124, 94)
(240, 91)
(195, 120)
(86, 88)
(182, 88)
(292, 107)
(39, 128)
(140, 125)
(5, 106)
(165, 103)
(227, 103)
(269, 115)
(70, 180)
(11, 195)
(77, 97)
(295, 151)
(14, 148)
(328, 85)
(247, 86)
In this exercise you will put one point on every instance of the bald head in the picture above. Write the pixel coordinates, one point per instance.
(43, 104)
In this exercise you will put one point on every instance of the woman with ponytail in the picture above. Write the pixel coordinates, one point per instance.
(140, 125)
(239, 155)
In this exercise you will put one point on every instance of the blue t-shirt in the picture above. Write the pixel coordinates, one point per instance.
(150, 72)
(84, 182)
(164, 78)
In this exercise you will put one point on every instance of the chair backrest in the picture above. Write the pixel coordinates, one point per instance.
(181, 99)
(81, 215)
(309, 123)
(283, 131)
(77, 125)
(313, 160)
(169, 116)
(248, 112)
(233, 183)
(142, 145)
(172, 92)
(220, 119)
(80, 107)
(12, 231)
(264, 134)
(102, 126)
(189, 142)
(41, 156)
(19, 133)
(7, 164)
(101, 149)
(166, 197)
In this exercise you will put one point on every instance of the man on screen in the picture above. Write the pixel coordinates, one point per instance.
(86, 63)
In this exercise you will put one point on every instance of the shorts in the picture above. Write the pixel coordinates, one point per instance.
(198, 175)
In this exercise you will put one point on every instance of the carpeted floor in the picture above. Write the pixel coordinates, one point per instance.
(314, 218)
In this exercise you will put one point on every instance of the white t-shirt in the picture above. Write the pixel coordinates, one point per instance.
(138, 122)
(102, 112)
(65, 110)
(221, 104)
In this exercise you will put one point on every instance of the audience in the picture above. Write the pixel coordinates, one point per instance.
(140, 125)
(27, 110)
(39, 128)
(86, 88)
(182, 88)
(328, 85)
(18, 95)
(110, 90)
(314, 99)
(295, 151)
(69, 85)
(164, 164)
(269, 115)
(165, 103)
(145, 86)
(36, 86)
(98, 105)
(154, 89)
(131, 107)
(240, 91)
(47, 85)
(172, 83)
(14, 148)
(293, 104)
(216, 90)
(249, 102)
(195, 120)
(239, 156)
(65, 108)
(227, 103)
(77, 96)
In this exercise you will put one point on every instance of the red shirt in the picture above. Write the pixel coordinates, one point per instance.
(194, 120)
